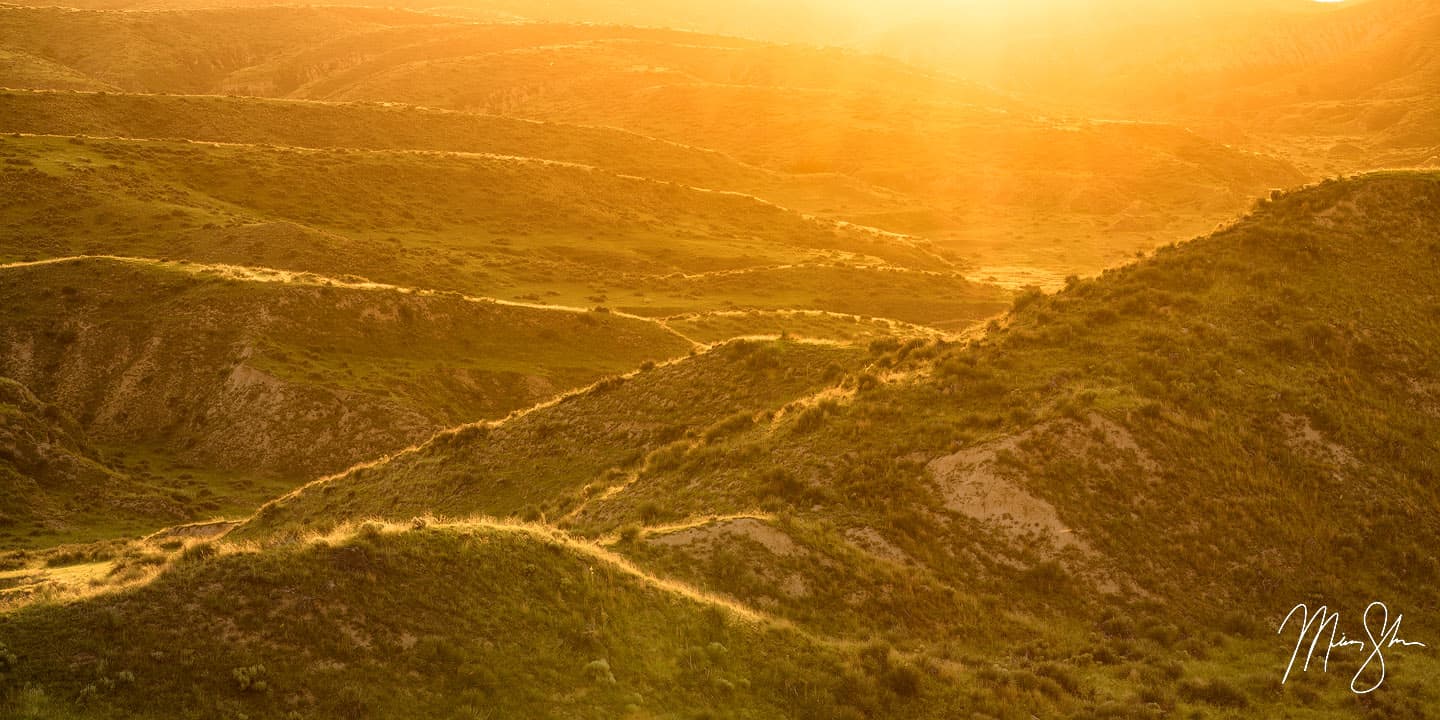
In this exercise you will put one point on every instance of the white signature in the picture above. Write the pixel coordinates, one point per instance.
(1313, 627)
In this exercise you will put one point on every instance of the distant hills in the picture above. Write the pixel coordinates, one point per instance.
(856, 138)
(1338, 86)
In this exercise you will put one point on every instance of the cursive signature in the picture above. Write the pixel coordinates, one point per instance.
(1314, 627)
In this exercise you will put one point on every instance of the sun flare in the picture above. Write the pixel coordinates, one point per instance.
(719, 359)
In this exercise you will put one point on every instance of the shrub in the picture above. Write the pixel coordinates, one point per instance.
(599, 671)
(783, 484)
(250, 679)
(8, 661)
(1026, 298)
(1046, 577)
(199, 552)
(884, 345)
(729, 426)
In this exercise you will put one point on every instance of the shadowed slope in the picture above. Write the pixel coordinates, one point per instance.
(289, 379)
(549, 460)
(52, 478)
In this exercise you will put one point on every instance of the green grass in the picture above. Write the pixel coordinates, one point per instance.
(514, 624)
(504, 469)
(1234, 425)
(1156, 406)
(844, 136)
(512, 229)
(250, 388)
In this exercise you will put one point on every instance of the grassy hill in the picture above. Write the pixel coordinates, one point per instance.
(612, 430)
(368, 363)
(515, 228)
(386, 126)
(856, 137)
(179, 52)
(1001, 499)
(1335, 87)
(274, 379)
(483, 642)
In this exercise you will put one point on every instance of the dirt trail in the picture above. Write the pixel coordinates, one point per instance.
(256, 274)
(516, 415)
(616, 561)
(702, 533)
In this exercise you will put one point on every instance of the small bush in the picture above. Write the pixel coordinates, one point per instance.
(599, 671)
(1027, 298)
(251, 679)
(199, 552)
(8, 661)
(729, 426)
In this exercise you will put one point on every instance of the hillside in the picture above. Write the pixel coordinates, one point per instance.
(387, 126)
(1334, 87)
(615, 430)
(484, 641)
(277, 379)
(853, 137)
(53, 479)
(576, 360)
(1182, 403)
(514, 228)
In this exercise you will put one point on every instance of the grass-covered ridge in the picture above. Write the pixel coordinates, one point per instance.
(285, 377)
(1224, 400)
(548, 462)
(993, 181)
(390, 126)
(1217, 399)
(514, 622)
(515, 228)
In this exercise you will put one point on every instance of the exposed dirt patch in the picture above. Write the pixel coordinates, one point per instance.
(975, 484)
(1303, 438)
(871, 541)
(795, 586)
(703, 538)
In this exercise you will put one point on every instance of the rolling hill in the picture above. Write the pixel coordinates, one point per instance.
(855, 137)
(516, 228)
(1001, 499)
(1334, 87)
(385, 126)
(235, 383)
(492, 359)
